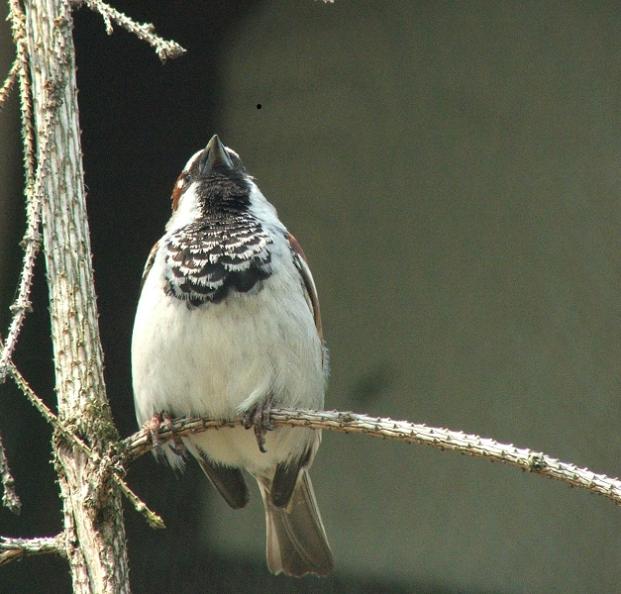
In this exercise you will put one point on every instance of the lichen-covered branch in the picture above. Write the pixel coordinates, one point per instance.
(12, 549)
(165, 49)
(406, 432)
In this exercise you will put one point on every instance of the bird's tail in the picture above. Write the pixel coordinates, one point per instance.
(296, 539)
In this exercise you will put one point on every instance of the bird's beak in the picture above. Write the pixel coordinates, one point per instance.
(215, 157)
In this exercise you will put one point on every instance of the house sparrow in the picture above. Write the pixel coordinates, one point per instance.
(228, 324)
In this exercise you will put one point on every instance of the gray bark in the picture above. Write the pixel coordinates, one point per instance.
(94, 529)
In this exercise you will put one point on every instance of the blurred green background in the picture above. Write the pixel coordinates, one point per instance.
(452, 170)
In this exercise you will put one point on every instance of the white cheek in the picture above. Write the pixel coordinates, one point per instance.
(262, 209)
(187, 209)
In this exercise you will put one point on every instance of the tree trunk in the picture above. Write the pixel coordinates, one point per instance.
(94, 528)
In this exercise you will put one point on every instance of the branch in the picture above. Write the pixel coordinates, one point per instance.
(36, 179)
(93, 539)
(165, 49)
(10, 499)
(30, 394)
(18, 29)
(107, 467)
(31, 242)
(384, 428)
(12, 549)
(94, 535)
(9, 82)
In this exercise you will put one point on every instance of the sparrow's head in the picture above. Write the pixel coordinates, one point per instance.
(214, 179)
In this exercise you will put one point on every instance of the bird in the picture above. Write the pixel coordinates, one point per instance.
(228, 325)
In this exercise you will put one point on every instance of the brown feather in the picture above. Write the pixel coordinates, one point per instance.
(296, 539)
(149, 263)
(307, 279)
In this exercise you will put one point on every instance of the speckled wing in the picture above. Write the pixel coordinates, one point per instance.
(207, 260)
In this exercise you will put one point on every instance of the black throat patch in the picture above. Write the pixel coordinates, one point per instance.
(210, 258)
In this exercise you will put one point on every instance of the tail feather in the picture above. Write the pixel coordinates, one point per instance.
(228, 481)
(296, 539)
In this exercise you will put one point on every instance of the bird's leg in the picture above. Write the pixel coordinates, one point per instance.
(258, 417)
(176, 444)
(153, 426)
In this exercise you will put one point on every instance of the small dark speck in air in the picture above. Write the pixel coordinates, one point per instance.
(259, 106)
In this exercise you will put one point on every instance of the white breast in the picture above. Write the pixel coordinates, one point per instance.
(221, 359)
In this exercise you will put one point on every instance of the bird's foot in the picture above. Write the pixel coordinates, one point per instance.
(258, 417)
(164, 420)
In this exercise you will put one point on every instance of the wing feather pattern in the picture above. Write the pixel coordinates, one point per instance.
(149, 263)
(307, 279)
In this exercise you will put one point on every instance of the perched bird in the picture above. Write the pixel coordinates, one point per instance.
(228, 324)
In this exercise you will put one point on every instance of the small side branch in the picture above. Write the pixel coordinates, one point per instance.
(12, 549)
(9, 83)
(10, 499)
(404, 431)
(165, 49)
(31, 241)
(152, 518)
(17, 19)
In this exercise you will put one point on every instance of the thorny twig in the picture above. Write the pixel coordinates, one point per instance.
(10, 499)
(444, 439)
(153, 519)
(31, 241)
(9, 82)
(12, 549)
(17, 19)
(165, 49)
